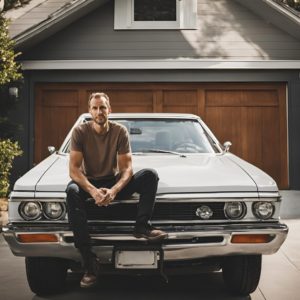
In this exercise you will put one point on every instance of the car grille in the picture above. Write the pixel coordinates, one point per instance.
(162, 211)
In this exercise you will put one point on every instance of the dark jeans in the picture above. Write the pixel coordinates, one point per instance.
(144, 182)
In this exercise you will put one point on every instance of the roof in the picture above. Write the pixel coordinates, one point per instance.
(41, 18)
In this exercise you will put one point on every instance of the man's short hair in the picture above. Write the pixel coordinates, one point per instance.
(98, 95)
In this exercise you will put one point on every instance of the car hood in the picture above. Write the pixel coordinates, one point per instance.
(195, 173)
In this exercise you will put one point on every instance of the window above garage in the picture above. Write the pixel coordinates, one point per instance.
(155, 14)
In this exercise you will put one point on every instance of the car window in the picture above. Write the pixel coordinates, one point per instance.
(183, 136)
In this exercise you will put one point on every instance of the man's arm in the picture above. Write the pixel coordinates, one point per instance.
(76, 158)
(125, 169)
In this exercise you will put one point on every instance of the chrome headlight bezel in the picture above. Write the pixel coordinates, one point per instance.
(243, 210)
(256, 207)
(62, 207)
(23, 214)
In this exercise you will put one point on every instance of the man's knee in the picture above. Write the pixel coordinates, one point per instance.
(72, 189)
(151, 175)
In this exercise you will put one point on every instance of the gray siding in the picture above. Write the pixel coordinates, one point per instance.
(226, 30)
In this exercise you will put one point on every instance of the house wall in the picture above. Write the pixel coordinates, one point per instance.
(226, 30)
(25, 112)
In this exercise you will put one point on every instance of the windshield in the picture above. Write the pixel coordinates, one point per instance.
(182, 136)
(166, 136)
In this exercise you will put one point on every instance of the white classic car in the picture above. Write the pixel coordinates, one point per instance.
(221, 213)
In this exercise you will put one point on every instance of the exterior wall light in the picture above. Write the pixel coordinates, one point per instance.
(13, 92)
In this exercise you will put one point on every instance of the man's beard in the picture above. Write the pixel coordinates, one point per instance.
(100, 120)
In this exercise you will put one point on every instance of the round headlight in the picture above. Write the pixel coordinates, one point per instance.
(30, 210)
(235, 210)
(263, 210)
(54, 210)
(204, 212)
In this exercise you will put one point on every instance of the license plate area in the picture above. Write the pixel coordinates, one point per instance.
(136, 259)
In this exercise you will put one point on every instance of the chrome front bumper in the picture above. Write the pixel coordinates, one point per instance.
(180, 245)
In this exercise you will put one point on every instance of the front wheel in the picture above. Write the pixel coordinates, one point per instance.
(46, 275)
(241, 274)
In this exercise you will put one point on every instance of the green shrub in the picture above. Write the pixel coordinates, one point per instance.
(294, 3)
(8, 151)
(8, 4)
(9, 68)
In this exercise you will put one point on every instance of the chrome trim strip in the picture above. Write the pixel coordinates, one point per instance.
(217, 195)
(21, 194)
(158, 200)
(47, 199)
(181, 222)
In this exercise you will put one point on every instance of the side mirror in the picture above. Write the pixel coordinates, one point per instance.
(227, 146)
(51, 149)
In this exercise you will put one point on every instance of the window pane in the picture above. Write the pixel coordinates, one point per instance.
(154, 10)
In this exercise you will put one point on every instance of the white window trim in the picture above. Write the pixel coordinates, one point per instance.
(186, 11)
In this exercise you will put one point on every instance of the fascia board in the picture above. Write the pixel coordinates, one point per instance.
(158, 64)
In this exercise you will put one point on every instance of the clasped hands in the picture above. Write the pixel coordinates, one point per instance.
(103, 196)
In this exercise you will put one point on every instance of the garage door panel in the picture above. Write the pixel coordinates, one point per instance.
(223, 97)
(253, 120)
(252, 137)
(131, 101)
(56, 112)
(132, 109)
(131, 98)
(57, 98)
(260, 98)
(180, 98)
(271, 137)
(63, 118)
(180, 101)
(226, 124)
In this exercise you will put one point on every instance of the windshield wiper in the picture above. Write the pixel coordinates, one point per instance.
(159, 151)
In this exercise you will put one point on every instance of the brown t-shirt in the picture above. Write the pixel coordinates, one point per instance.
(100, 151)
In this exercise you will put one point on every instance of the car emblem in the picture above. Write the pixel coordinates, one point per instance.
(204, 212)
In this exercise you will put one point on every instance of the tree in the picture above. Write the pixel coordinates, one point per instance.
(10, 71)
(8, 4)
(9, 68)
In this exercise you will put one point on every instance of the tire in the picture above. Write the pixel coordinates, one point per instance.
(241, 274)
(46, 275)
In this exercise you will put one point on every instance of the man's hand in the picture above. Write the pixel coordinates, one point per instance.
(109, 196)
(98, 195)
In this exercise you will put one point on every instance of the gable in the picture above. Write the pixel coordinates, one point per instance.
(226, 30)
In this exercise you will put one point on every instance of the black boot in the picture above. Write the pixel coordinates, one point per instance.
(91, 267)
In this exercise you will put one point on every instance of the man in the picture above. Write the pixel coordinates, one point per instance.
(101, 168)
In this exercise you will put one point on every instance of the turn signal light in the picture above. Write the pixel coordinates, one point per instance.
(252, 238)
(37, 238)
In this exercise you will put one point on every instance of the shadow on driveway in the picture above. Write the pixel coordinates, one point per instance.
(202, 286)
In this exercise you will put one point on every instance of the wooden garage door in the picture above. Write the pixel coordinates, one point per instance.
(251, 116)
